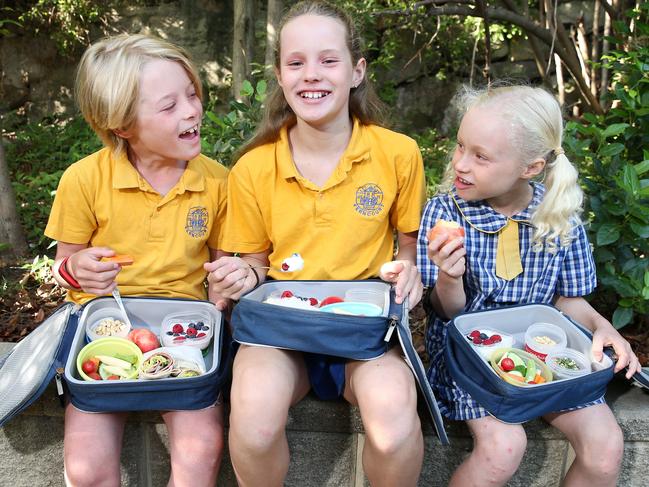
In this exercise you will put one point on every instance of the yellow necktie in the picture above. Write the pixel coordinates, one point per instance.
(508, 255)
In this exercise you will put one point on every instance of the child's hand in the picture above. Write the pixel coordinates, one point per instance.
(228, 278)
(407, 278)
(605, 335)
(94, 276)
(448, 255)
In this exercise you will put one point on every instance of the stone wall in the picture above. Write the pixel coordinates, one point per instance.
(326, 441)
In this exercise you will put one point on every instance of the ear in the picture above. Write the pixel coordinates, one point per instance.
(533, 169)
(278, 76)
(359, 72)
(124, 134)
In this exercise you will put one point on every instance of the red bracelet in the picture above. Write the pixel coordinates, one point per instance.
(66, 276)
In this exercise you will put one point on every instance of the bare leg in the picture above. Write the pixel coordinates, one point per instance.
(385, 391)
(497, 452)
(597, 440)
(196, 444)
(91, 447)
(265, 383)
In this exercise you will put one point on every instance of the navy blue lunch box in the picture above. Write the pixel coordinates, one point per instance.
(517, 404)
(50, 351)
(258, 321)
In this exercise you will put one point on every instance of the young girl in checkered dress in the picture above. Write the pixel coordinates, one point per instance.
(508, 136)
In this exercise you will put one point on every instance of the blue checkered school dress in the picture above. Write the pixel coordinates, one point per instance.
(567, 271)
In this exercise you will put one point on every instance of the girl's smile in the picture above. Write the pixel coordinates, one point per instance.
(316, 71)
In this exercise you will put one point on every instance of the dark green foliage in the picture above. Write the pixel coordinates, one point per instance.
(222, 135)
(37, 155)
(615, 174)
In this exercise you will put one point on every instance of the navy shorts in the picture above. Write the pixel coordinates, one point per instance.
(326, 374)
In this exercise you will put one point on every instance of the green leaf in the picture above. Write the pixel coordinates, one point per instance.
(645, 292)
(641, 167)
(607, 234)
(611, 150)
(641, 231)
(622, 317)
(630, 179)
(614, 129)
(246, 88)
(262, 86)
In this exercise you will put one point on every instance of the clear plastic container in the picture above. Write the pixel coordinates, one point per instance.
(359, 295)
(194, 329)
(102, 316)
(567, 363)
(543, 338)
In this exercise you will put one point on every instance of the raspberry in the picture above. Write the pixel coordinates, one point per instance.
(496, 338)
(488, 341)
(177, 328)
(477, 340)
(313, 301)
(287, 294)
(191, 332)
(285, 267)
(474, 333)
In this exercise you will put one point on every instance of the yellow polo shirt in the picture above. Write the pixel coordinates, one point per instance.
(103, 201)
(344, 229)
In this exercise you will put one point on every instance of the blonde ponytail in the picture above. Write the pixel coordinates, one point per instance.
(537, 131)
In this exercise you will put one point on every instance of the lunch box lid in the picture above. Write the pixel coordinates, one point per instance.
(27, 369)
(414, 362)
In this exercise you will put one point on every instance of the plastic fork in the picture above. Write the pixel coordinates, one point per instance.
(120, 303)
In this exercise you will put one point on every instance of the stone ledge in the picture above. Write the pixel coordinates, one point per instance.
(325, 439)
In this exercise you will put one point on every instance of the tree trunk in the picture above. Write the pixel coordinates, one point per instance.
(11, 231)
(272, 25)
(242, 42)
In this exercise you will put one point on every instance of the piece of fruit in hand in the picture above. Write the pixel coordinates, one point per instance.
(450, 230)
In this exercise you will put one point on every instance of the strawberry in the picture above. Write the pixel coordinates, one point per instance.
(313, 301)
(200, 335)
(177, 328)
(287, 294)
(179, 339)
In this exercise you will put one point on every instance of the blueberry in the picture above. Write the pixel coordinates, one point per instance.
(192, 325)
(484, 336)
(170, 333)
(176, 334)
(205, 328)
(200, 323)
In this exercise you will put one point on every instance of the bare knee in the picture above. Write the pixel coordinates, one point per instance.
(601, 452)
(499, 452)
(83, 471)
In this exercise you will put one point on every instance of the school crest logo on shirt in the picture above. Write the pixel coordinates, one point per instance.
(369, 200)
(197, 218)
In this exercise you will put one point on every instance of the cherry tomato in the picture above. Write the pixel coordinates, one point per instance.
(89, 366)
(507, 364)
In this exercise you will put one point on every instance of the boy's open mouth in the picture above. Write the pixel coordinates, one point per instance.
(189, 133)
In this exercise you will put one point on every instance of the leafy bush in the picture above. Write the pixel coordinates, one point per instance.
(222, 135)
(37, 155)
(615, 177)
(435, 150)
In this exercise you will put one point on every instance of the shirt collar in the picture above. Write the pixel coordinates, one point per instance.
(126, 176)
(357, 150)
(484, 218)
